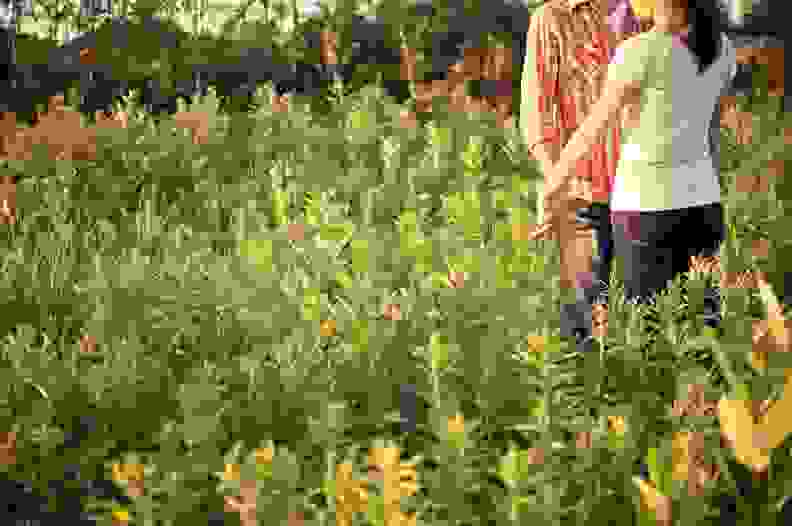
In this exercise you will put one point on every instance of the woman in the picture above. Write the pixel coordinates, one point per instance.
(665, 204)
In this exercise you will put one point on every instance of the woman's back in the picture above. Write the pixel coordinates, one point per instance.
(665, 160)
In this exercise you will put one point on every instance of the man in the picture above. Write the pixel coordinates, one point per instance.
(558, 91)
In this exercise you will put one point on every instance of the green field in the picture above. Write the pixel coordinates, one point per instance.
(208, 312)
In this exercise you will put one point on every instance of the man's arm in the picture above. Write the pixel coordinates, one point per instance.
(540, 92)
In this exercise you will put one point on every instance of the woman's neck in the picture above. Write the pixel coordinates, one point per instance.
(670, 23)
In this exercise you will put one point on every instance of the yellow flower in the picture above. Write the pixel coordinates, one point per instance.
(680, 455)
(776, 328)
(759, 359)
(351, 495)
(327, 328)
(264, 455)
(649, 494)
(231, 472)
(120, 515)
(400, 477)
(616, 424)
(456, 424)
(399, 480)
(536, 343)
(127, 472)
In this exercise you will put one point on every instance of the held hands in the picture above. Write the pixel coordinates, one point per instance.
(564, 194)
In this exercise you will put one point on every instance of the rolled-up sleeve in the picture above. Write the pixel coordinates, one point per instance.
(539, 106)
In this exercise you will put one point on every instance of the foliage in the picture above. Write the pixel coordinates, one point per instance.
(210, 318)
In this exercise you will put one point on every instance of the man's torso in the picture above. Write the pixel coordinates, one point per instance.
(583, 42)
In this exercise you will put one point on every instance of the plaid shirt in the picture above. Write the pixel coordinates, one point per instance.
(569, 46)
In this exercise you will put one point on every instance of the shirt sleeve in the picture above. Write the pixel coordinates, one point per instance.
(630, 61)
(539, 98)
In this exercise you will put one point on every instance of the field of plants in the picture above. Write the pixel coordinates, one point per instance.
(305, 298)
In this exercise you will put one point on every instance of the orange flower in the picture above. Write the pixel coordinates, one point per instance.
(87, 344)
(264, 455)
(535, 456)
(127, 472)
(456, 424)
(583, 439)
(280, 103)
(392, 312)
(456, 279)
(231, 472)
(8, 448)
(120, 517)
(296, 232)
(351, 495)
(536, 343)
(196, 122)
(775, 168)
(760, 248)
(135, 488)
(399, 480)
(521, 232)
(327, 328)
(616, 424)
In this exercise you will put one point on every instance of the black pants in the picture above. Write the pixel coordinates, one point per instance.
(598, 216)
(655, 247)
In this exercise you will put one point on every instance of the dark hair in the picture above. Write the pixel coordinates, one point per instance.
(705, 40)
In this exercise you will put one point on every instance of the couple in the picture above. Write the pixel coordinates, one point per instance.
(622, 121)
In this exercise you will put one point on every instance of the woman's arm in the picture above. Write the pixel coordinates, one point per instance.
(615, 94)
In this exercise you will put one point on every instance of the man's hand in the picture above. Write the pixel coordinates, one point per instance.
(561, 199)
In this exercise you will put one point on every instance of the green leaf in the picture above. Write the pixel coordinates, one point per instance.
(422, 252)
(259, 252)
(336, 232)
(360, 255)
(439, 351)
(661, 469)
(376, 510)
(743, 391)
(360, 335)
(360, 120)
(344, 280)
(263, 471)
(440, 136)
(312, 206)
(538, 410)
(312, 301)
(280, 207)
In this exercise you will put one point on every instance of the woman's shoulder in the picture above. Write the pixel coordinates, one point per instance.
(637, 42)
(633, 49)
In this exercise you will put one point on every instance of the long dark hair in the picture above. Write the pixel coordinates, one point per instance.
(705, 40)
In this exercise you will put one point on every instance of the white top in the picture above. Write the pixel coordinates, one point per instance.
(665, 162)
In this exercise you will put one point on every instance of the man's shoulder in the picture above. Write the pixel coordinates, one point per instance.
(554, 12)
